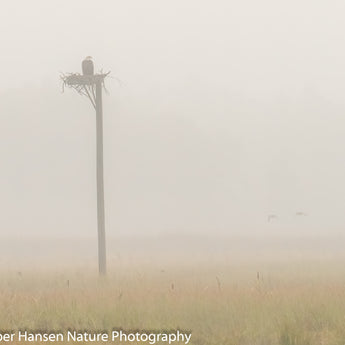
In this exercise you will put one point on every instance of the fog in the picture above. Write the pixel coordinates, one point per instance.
(217, 115)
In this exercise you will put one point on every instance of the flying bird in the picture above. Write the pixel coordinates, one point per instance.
(87, 66)
(300, 213)
(271, 216)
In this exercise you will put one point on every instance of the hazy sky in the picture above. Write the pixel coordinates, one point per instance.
(228, 111)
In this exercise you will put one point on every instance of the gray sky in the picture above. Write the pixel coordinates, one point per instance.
(228, 111)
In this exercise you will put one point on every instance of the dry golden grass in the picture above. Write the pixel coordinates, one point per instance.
(297, 303)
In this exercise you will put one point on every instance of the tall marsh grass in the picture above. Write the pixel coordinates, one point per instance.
(228, 304)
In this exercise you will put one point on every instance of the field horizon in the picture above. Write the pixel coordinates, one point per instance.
(270, 292)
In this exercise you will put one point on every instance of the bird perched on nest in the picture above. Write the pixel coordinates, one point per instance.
(87, 66)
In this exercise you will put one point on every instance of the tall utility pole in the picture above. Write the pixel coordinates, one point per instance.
(91, 87)
(100, 183)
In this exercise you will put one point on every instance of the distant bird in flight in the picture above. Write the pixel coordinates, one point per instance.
(300, 213)
(87, 66)
(271, 217)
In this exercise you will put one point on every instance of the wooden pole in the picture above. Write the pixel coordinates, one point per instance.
(102, 265)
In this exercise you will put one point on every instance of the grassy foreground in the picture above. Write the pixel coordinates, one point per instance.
(298, 303)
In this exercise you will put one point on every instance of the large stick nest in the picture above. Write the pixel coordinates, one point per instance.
(85, 85)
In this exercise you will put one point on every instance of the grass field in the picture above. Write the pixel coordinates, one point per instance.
(223, 300)
(300, 303)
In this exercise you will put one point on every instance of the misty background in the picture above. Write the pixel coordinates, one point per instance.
(226, 112)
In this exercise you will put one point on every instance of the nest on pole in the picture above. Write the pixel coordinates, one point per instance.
(85, 85)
